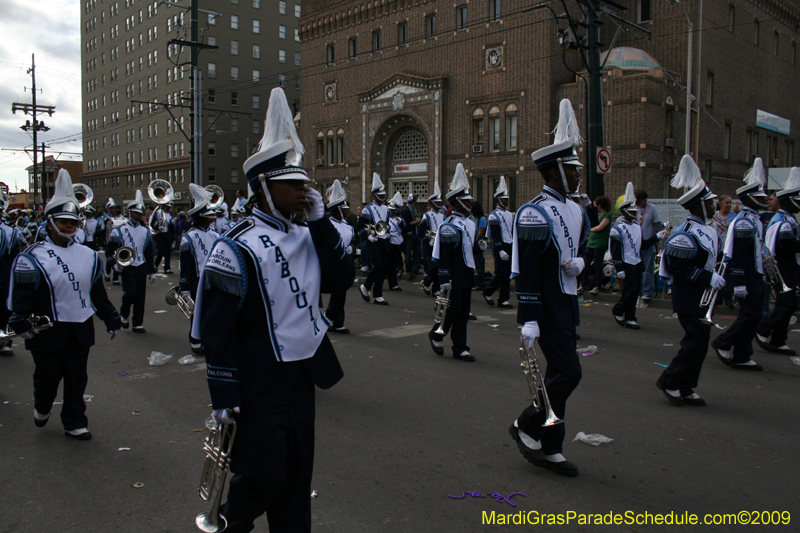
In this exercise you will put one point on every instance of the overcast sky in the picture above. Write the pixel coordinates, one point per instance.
(50, 29)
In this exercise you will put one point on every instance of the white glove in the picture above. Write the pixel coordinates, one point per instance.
(717, 281)
(482, 245)
(348, 250)
(431, 243)
(114, 333)
(316, 209)
(573, 267)
(372, 238)
(28, 335)
(503, 255)
(224, 416)
(152, 278)
(117, 268)
(186, 294)
(621, 274)
(661, 234)
(530, 333)
(444, 286)
(740, 291)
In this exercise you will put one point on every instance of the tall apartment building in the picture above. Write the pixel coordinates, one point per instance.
(134, 82)
(410, 88)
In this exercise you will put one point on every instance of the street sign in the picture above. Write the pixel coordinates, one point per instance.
(603, 160)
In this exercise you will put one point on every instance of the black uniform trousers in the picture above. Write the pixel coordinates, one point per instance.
(502, 275)
(394, 263)
(163, 242)
(455, 321)
(412, 249)
(134, 290)
(561, 378)
(776, 325)
(335, 310)
(110, 265)
(378, 258)
(69, 364)
(739, 336)
(684, 370)
(431, 268)
(626, 306)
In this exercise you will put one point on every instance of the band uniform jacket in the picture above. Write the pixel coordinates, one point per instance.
(455, 244)
(547, 231)
(46, 272)
(138, 237)
(743, 252)
(240, 340)
(782, 239)
(195, 247)
(690, 254)
(372, 214)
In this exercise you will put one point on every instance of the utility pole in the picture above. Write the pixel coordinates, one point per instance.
(34, 110)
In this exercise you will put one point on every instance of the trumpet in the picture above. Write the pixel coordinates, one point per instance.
(161, 192)
(530, 367)
(771, 269)
(125, 256)
(430, 234)
(378, 230)
(662, 242)
(440, 311)
(217, 447)
(709, 298)
(39, 323)
(184, 303)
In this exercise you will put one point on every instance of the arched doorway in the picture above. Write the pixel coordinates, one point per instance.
(402, 156)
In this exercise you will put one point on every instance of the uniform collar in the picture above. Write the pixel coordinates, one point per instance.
(50, 241)
(269, 220)
(749, 210)
(553, 193)
(626, 222)
(500, 207)
(697, 219)
(457, 214)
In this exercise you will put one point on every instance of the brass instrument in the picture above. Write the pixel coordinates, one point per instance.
(709, 298)
(125, 256)
(39, 323)
(440, 311)
(771, 269)
(378, 230)
(530, 367)
(184, 303)
(662, 242)
(430, 234)
(217, 447)
(217, 198)
(84, 194)
(161, 192)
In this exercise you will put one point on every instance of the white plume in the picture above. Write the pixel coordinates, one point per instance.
(756, 173)
(567, 128)
(376, 182)
(688, 174)
(794, 179)
(336, 193)
(630, 197)
(279, 123)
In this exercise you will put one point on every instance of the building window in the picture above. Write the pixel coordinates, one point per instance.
(234, 124)
(234, 22)
(257, 127)
(297, 82)
(731, 17)
(756, 30)
(351, 48)
(234, 73)
(728, 134)
(281, 31)
(297, 59)
(340, 147)
(776, 41)
(212, 149)
(494, 128)
(256, 101)
(297, 35)
(256, 26)
(789, 153)
(430, 25)
(212, 70)
(297, 11)
(376, 40)
(282, 80)
(320, 148)
(234, 175)
(256, 4)
(212, 174)
(709, 88)
(282, 56)
(478, 128)
(256, 51)
(752, 145)
(235, 48)
(282, 8)
(331, 154)
(212, 20)
(330, 53)
(402, 33)
(461, 17)
(234, 150)
(494, 10)
(511, 127)
(644, 10)
(257, 76)
(772, 149)
(234, 98)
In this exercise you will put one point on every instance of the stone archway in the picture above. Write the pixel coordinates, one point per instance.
(402, 155)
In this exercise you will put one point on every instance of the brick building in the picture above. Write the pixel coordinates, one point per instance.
(410, 88)
(128, 67)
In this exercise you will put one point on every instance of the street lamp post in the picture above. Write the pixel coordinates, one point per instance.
(688, 132)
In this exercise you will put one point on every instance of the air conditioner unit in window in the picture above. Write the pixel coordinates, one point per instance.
(477, 148)
(320, 162)
(669, 143)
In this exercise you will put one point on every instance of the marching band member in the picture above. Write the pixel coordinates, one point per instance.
(500, 221)
(625, 241)
(10, 246)
(431, 221)
(338, 210)
(62, 281)
(690, 255)
(264, 334)
(195, 247)
(222, 218)
(745, 272)
(136, 235)
(377, 246)
(782, 240)
(165, 238)
(115, 218)
(546, 240)
(91, 227)
(452, 250)
(396, 242)
(237, 213)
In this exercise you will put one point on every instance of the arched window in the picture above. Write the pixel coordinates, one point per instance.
(478, 127)
(511, 127)
(494, 128)
(411, 146)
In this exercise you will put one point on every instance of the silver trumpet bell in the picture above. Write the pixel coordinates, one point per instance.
(39, 323)
(217, 447)
(84, 194)
(217, 197)
(125, 256)
(440, 311)
(184, 303)
(378, 230)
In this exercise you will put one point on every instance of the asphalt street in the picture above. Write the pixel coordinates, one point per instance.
(405, 430)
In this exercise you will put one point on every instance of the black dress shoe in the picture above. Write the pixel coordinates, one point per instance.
(505, 305)
(783, 350)
(535, 457)
(696, 402)
(617, 320)
(632, 324)
(438, 350)
(753, 368)
(674, 400)
(40, 423)
(339, 330)
(80, 436)
(489, 299)
(364, 292)
(465, 357)
(565, 468)
(395, 288)
(472, 317)
(722, 359)
(380, 302)
(139, 329)
(426, 289)
(199, 350)
(125, 324)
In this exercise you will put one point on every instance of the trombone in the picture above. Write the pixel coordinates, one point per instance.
(217, 447)
(530, 367)
(184, 303)
(709, 298)
(161, 192)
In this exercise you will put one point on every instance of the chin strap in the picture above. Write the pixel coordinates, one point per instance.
(794, 202)
(462, 205)
(759, 204)
(277, 214)
(703, 205)
(68, 236)
(567, 190)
